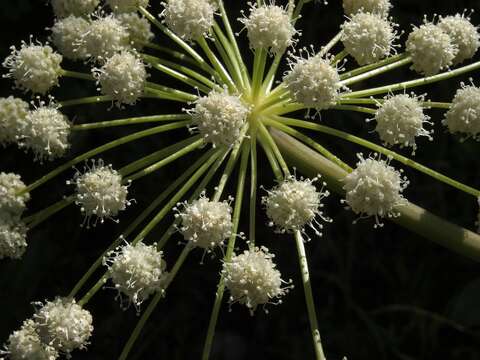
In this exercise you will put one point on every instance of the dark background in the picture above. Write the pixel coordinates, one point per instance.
(380, 294)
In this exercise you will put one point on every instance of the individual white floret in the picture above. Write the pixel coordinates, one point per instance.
(126, 6)
(293, 204)
(100, 191)
(269, 27)
(34, 67)
(107, 36)
(138, 27)
(313, 81)
(463, 34)
(189, 19)
(219, 117)
(464, 114)
(13, 237)
(67, 35)
(368, 37)
(380, 7)
(46, 133)
(25, 344)
(400, 120)
(122, 77)
(63, 324)
(374, 188)
(431, 49)
(13, 112)
(137, 271)
(11, 203)
(206, 223)
(252, 279)
(64, 8)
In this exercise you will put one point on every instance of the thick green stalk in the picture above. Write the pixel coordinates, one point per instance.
(412, 217)
(253, 190)
(77, 75)
(130, 121)
(259, 62)
(85, 101)
(228, 255)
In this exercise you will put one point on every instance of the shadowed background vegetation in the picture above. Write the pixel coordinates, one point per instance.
(380, 294)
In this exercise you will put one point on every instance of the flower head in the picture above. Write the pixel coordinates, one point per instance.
(313, 81)
(293, 204)
(136, 270)
(122, 77)
(380, 7)
(34, 67)
(252, 278)
(100, 191)
(67, 36)
(189, 19)
(63, 324)
(126, 6)
(464, 114)
(12, 204)
(269, 27)
(206, 223)
(374, 188)
(138, 28)
(13, 237)
(368, 37)
(431, 49)
(64, 8)
(13, 112)
(219, 117)
(45, 133)
(25, 344)
(400, 119)
(463, 34)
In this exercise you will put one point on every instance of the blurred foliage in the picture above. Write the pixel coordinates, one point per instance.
(380, 294)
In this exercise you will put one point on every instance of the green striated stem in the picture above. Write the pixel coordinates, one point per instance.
(307, 287)
(130, 121)
(85, 100)
(100, 149)
(413, 83)
(354, 108)
(339, 57)
(174, 54)
(173, 93)
(140, 218)
(77, 75)
(372, 101)
(230, 248)
(412, 217)
(41, 216)
(277, 171)
(268, 142)
(259, 62)
(378, 71)
(380, 149)
(153, 304)
(366, 68)
(253, 190)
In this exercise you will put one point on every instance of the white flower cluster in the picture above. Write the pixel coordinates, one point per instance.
(464, 115)
(100, 191)
(122, 77)
(368, 37)
(67, 36)
(63, 324)
(138, 28)
(34, 67)
(189, 19)
(380, 7)
(206, 223)
(374, 188)
(431, 49)
(57, 327)
(125, 6)
(13, 231)
(269, 27)
(219, 117)
(13, 112)
(252, 278)
(64, 8)
(400, 120)
(293, 204)
(137, 271)
(313, 81)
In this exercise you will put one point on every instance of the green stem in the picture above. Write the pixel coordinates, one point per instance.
(259, 62)
(364, 69)
(100, 149)
(85, 101)
(380, 149)
(77, 75)
(130, 121)
(354, 108)
(413, 83)
(339, 57)
(228, 255)
(372, 101)
(174, 54)
(307, 287)
(277, 171)
(253, 189)
(412, 217)
(268, 141)
(174, 93)
(44, 214)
